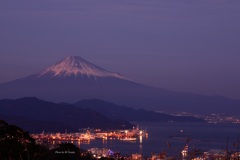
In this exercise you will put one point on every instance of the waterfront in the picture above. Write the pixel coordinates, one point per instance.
(171, 137)
(168, 136)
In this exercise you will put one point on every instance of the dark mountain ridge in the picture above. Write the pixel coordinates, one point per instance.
(57, 114)
(114, 111)
(37, 126)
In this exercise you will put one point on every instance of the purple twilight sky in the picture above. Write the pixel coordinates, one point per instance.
(190, 46)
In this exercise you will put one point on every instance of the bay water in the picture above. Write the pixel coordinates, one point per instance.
(172, 137)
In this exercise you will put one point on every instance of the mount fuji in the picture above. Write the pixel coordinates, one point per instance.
(74, 78)
(74, 66)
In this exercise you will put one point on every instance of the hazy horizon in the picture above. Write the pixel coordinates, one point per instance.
(183, 46)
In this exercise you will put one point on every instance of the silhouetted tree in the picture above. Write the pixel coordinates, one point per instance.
(15, 143)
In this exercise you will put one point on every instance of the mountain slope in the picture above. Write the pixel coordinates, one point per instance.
(39, 110)
(37, 126)
(114, 111)
(74, 78)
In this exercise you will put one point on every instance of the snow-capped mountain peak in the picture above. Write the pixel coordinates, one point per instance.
(77, 66)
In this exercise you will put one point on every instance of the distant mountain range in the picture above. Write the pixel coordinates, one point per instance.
(74, 78)
(36, 115)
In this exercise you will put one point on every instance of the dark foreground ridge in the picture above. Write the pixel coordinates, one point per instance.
(15, 143)
(36, 115)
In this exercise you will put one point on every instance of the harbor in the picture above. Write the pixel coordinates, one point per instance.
(91, 134)
(160, 141)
